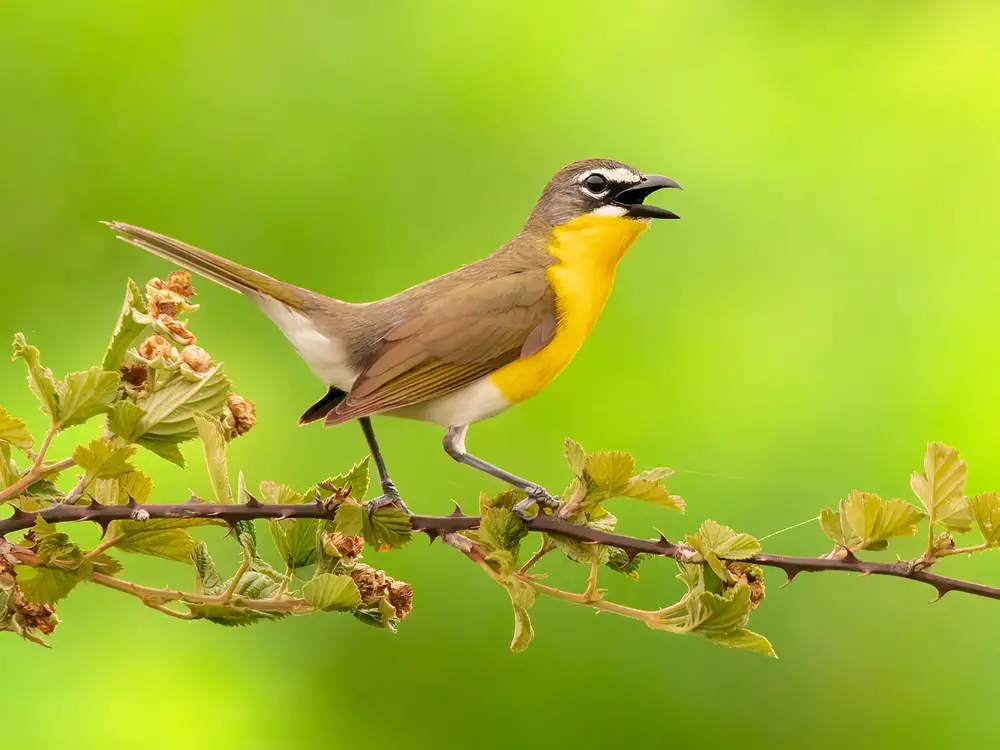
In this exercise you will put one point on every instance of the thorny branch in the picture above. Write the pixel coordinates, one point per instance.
(435, 526)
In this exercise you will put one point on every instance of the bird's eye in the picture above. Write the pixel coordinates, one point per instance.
(596, 183)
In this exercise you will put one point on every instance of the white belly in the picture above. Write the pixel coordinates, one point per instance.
(325, 354)
(475, 402)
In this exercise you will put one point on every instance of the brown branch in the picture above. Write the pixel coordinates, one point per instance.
(435, 526)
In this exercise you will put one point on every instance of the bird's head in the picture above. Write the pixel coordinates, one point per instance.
(601, 187)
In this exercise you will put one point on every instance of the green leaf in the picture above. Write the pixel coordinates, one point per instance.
(230, 615)
(940, 488)
(169, 411)
(242, 528)
(119, 490)
(986, 511)
(47, 585)
(580, 551)
(618, 561)
(861, 513)
(167, 449)
(124, 418)
(295, 539)
(207, 579)
(647, 486)
(724, 542)
(829, 522)
(14, 431)
(332, 593)
(576, 457)
(501, 529)
(166, 538)
(713, 614)
(85, 394)
(897, 518)
(388, 527)
(213, 440)
(611, 471)
(522, 597)
(357, 479)
(39, 378)
(747, 640)
(101, 460)
(132, 323)
(350, 518)
(278, 494)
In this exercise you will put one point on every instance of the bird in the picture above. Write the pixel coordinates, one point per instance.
(469, 344)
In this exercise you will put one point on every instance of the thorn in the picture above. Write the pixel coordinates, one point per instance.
(457, 512)
(791, 573)
(252, 503)
(193, 498)
(432, 534)
(132, 504)
(630, 554)
(20, 515)
(941, 591)
(231, 524)
(104, 523)
(663, 541)
(94, 505)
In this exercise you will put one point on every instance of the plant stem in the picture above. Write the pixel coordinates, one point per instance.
(102, 547)
(38, 469)
(542, 552)
(231, 589)
(962, 550)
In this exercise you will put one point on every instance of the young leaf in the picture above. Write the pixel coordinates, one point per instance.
(102, 460)
(160, 537)
(830, 523)
(940, 488)
(747, 640)
(714, 614)
(39, 378)
(387, 527)
(213, 440)
(169, 411)
(131, 325)
(332, 593)
(576, 457)
(14, 431)
(123, 420)
(295, 539)
(897, 518)
(85, 394)
(522, 597)
(349, 518)
(611, 471)
(47, 585)
(725, 542)
(580, 551)
(278, 494)
(357, 479)
(207, 580)
(986, 510)
(118, 491)
(861, 512)
(647, 486)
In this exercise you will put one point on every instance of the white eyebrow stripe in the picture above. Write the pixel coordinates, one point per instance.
(617, 174)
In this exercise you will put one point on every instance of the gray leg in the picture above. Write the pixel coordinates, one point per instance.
(454, 445)
(389, 494)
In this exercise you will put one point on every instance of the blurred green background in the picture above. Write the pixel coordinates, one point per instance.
(826, 306)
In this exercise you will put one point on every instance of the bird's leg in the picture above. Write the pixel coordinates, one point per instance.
(390, 494)
(454, 445)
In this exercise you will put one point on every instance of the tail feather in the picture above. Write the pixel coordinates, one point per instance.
(220, 270)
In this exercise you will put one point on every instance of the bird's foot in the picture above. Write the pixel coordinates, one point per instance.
(538, 498)
(389, 496)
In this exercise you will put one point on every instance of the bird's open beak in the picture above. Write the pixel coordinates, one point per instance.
(631, 198)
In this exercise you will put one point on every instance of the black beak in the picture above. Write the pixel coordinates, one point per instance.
(631, 198)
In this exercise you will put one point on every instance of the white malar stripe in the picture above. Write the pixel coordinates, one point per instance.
(475, 402)
(609, 210)
(615, 175)
(327, 356)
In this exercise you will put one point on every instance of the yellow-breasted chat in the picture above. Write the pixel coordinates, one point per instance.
(467, 345)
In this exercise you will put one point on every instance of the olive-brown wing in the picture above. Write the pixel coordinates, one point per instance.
(472, 331)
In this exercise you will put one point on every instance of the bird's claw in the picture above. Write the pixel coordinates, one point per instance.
(537, 498)
(389, 496)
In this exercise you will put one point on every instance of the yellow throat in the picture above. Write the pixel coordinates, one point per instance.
(587, 251)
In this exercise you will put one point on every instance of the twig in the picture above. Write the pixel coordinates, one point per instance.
(38, 469)
(446, 526)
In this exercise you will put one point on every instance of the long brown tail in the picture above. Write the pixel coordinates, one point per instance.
(221, 270)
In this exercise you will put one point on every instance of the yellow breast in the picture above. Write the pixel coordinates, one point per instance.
(587, 251)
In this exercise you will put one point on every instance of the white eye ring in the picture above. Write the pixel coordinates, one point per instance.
(595, 184)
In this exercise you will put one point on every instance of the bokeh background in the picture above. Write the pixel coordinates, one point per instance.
(826, 306)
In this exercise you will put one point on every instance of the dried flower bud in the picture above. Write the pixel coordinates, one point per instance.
(157, 346)
(178, 330)
(41, 617)
(239, 416)
(337, 545)
(134, 373)
(753, 577)
(375, 585)
(196, 358)
(179, 282)
(401, 598)
(162, 307)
